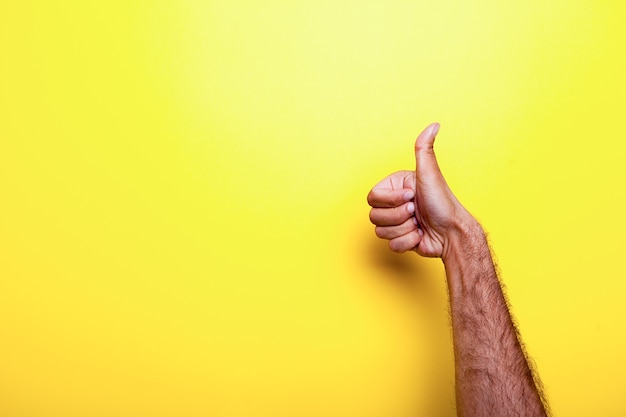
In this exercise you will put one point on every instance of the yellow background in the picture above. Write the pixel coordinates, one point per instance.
(183, 225)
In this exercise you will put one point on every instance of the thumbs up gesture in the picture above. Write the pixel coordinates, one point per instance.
(415, 210)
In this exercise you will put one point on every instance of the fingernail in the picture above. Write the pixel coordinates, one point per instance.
(436, 129)
(420, 232)
(408, 196)
(410, 207)
(415, 221)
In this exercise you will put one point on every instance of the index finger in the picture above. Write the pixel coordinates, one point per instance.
(385, 198)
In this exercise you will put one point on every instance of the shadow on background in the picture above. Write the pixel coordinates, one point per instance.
(421, 279)
(420, 282)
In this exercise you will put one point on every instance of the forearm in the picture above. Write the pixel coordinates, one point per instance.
(493, 377)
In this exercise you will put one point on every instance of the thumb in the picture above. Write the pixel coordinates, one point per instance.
(425, 161)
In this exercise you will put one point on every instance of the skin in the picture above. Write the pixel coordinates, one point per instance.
(416, 211)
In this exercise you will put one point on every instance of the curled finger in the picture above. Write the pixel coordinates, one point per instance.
(392, 232)
(385, 198)
(393, 216)
(406, 242)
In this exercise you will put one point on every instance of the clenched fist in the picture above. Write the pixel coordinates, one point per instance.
(415, 210)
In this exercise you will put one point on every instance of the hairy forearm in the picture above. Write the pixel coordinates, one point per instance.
(493, 376)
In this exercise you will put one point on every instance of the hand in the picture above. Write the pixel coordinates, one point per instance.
(415, 210)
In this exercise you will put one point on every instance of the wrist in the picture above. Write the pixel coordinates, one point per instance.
(464, 237)
(466, 258)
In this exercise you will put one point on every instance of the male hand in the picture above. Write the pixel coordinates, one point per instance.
(415, 210)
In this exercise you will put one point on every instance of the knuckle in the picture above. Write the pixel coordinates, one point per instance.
(396, 245)
(372, 216)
